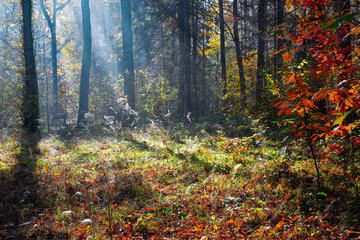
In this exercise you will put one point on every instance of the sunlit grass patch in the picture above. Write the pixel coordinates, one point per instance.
(149, 185)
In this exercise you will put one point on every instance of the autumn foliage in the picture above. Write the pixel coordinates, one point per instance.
(320, 82)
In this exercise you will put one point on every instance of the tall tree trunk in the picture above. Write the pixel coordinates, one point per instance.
(261, 51)
(195, 21)
(186, 59)
(182, 57)
(128, 58)
(86, 63)
(280, 10)
(30, 108)
(46, 88)
(239, 55)
(54, 62)
(222, 47)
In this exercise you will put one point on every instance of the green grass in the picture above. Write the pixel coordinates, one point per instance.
(180, 184)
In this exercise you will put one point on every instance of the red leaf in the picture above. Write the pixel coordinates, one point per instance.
(288, 111)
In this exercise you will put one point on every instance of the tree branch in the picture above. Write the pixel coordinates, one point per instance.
(65, 42)
(62, 6)
(11, 46)
(47, 16)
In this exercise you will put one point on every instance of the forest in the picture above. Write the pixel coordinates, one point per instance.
(179, 119)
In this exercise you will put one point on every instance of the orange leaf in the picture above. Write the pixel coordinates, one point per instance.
(283, 105)
(292, 95)
(320, 95)
(307, 103)
(277, 52)
(334, 95)
(149, 208)
(154, 171)
(287, 57)
(230, 222)
(280, 224)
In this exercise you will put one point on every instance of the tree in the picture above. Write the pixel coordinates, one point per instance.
(222, 46)
(180, 22)
(280, 9)
(128, 58)
(184, 93)
(30, 108)
(52, 26)
(186, 59)
(239, 54)
(261, 51)
(320, 90)
(195, 22)
(86, 63)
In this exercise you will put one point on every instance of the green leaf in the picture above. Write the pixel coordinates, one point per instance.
(340, 119)
(322, 194)
(346, 18)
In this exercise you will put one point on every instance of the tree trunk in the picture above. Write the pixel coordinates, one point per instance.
(30, 108)
(86, 63)
(222, 47)
(195, 21)
(280, 9)
(239, 55)
(52, 27)
(54, 61)
(261, 51)
(182, 57)
(186, 59)
(128, 58)
(46, 89)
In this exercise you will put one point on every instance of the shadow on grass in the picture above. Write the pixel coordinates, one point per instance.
(19, 191)
(338, 202)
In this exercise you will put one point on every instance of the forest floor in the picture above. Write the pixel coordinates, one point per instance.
(178, 183)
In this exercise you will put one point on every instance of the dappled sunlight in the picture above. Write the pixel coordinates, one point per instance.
(179, 119)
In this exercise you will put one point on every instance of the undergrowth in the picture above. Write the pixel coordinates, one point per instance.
(170, 183)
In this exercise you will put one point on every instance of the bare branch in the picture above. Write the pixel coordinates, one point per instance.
(66, 42)
(11, 46)
(47, 17)
(62, 6)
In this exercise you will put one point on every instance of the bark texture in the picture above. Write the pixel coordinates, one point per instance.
(128, 56)
(86, 63)
(30, 108)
